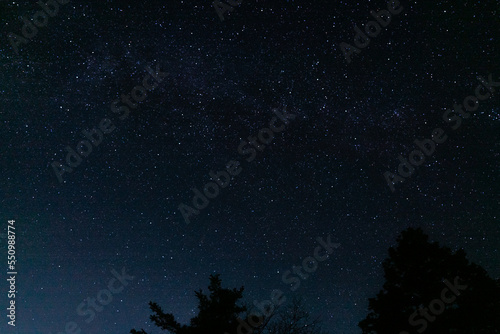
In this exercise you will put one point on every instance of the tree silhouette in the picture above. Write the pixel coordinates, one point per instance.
(430, 289)
(218, 312)
(221, 312)
(291, 319)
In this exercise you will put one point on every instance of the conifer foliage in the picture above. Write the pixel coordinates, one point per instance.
(431, 289)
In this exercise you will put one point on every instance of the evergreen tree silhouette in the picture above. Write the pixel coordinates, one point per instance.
(221, 312)
(217, 313)
(420, 277)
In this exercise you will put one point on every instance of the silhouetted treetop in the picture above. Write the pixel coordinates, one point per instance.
(430, 288)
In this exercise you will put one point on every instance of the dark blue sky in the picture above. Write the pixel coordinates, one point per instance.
(322, 175)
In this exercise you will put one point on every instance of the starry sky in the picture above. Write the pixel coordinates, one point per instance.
(224, 81)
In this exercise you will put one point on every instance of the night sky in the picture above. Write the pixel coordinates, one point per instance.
(217, 83)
